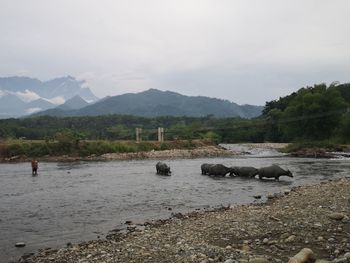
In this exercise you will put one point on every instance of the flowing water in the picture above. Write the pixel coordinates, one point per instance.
(72, 202)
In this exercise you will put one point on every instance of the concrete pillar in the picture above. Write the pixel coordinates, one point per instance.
(138, 134)
(160, 134)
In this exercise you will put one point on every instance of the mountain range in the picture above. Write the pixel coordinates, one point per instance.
(66, 96)
(20, 96)
(153, 102)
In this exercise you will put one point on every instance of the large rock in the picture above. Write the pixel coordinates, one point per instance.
(305, 255)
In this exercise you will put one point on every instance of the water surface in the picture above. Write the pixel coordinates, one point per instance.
(72, 202)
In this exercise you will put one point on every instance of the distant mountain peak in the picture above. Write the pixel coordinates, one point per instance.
(30, 90)
(74, 103)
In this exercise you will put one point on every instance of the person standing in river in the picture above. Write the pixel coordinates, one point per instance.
(34, 167)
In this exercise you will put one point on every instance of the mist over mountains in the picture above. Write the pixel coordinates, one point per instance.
(20, 96)
(66, 96)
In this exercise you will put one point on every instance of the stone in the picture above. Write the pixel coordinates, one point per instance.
(331, 239)
(290, 239)
(245, 248)
(285, 235)
(20, 244)
(340, 260)
(229, 261)
(259, 260)
(304, 255)
(270, 196)
(336, 216)
(265, 240)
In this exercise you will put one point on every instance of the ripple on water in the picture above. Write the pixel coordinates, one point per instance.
(55, 207)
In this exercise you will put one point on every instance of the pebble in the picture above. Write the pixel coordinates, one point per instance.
(265, 240)
(290, 239)
(229, 261)
(270, 196)
(259, 260)
(285, 235)
(340, 260)
(336, 216)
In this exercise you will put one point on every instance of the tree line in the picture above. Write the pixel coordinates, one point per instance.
(314, 113)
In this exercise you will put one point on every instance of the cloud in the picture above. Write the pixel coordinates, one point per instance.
(27, 95)
(128, 46)
(32, 110)
(56, 100)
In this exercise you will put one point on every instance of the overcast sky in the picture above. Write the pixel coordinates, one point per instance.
(246, 51)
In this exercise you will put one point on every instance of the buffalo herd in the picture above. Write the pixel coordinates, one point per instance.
(273, 171)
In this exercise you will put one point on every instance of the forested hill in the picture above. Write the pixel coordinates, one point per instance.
(153, 103)
(311, 113)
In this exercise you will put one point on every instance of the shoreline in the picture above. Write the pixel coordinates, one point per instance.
(210, 151)
(311, 216)
(203, 151)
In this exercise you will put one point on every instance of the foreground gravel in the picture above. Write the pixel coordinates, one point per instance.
(315, 217)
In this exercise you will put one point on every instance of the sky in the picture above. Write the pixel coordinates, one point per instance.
(246, 51)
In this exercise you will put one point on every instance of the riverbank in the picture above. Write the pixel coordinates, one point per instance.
(317, 150)
(315, 217)
(200, 151)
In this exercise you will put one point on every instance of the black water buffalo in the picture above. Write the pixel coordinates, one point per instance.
(245, 171)
(219, 170)
(273, 171)
(163, 169)
(205, 168)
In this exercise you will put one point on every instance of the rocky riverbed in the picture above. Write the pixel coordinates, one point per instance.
(314, 217)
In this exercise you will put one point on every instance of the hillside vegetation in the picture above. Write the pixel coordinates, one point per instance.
(154, 103)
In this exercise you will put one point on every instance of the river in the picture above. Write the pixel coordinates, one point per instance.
(72, 202)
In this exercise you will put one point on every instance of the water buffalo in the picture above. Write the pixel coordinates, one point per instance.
(205, 168)
(273, 171)
(163, 169)
(245, 171)
(219, 170)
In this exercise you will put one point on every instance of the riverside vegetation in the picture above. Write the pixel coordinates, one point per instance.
(312, 117)
(68, 145)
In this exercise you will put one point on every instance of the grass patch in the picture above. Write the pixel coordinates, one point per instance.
(297, 146)
(26, 148)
